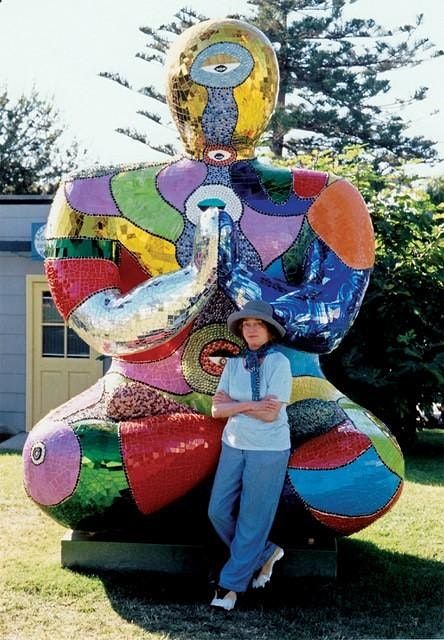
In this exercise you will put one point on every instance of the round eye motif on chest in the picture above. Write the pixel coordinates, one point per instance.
(224, 64)
(205, 356)
(219, 155)
(214, 356)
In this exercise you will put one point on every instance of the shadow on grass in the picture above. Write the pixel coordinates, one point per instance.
(378, 594)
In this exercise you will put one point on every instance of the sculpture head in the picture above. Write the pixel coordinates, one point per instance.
(222, 82)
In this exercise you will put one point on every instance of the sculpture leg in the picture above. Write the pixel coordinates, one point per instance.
(117, 450)
(345, 468)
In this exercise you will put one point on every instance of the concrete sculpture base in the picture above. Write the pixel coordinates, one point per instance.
(108, 552)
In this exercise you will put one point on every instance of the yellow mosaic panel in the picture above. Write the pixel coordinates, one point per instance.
(307, 387)
(155, 254)
(256, 100)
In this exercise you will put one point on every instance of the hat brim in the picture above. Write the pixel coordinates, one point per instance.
(234, 318)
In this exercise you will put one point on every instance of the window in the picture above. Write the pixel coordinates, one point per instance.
(58, 340)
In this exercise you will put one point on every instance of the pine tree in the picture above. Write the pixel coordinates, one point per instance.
(158, 44)
(331, 83)
(330, 74)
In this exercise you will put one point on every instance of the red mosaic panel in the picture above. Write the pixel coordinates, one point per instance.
(131, 273)
(337, 447)
(166, 456)
(75, 279)
(161, 352)
(307, 183)
(346, 525)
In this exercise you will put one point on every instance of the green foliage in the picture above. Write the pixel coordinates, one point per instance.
(31, 157)
(392, 360)
(435, 189)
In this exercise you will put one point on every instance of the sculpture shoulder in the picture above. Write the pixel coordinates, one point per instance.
(88, 203)
(304, 183)
(343, 194)
(101, 171)
(340, 218)
(97, 190)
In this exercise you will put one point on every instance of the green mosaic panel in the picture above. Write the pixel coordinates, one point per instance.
(82, 248)
(199, 401)
(277, 181)
(102, 478)
(293, 258)
(137, 197)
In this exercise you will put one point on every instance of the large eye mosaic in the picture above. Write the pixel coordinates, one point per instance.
(222, 65)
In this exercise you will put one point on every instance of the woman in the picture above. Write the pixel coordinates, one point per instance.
(252, 393)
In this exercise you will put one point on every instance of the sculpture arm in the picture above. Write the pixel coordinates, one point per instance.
(318, 310)
(157, 309)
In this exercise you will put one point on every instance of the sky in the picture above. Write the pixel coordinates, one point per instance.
(60, 46)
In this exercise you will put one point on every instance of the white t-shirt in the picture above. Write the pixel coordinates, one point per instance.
(243, 431)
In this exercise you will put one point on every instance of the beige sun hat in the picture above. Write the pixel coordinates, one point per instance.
(254, 309)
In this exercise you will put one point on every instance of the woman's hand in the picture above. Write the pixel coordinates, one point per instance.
(221, 396)
(225, 407)
(266, 409)
(269, 403)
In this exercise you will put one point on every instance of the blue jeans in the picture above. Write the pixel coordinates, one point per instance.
(243, 504)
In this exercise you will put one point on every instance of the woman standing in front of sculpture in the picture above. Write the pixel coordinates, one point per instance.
(252, 394)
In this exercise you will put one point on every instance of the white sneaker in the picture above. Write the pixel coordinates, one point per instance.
(224, 599)
(267, 570)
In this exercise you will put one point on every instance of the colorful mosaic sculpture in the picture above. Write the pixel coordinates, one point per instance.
(146, 262)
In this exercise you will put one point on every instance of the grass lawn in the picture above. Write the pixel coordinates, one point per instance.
(390, 582)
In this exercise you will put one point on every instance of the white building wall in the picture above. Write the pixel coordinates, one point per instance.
(16, 216)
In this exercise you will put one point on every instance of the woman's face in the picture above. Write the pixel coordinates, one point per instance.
(255, 332)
